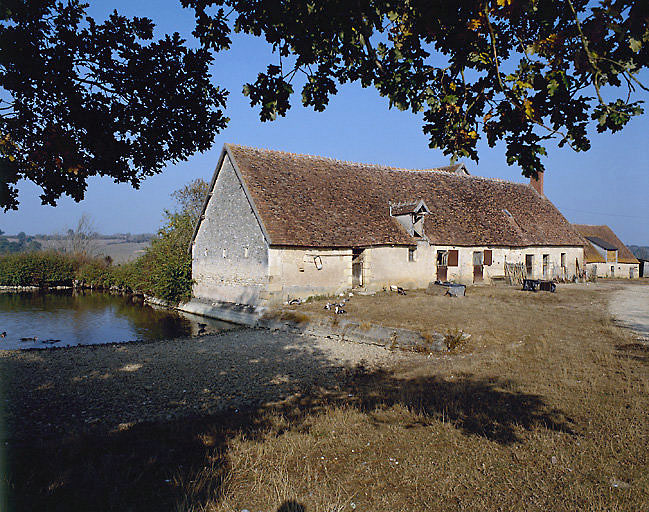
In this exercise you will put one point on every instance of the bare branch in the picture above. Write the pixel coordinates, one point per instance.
(493, 46)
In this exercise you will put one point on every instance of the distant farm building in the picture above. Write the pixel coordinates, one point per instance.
(644, 267)
(606, 255)
(278, 225)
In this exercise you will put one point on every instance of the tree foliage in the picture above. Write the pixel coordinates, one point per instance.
(80, 98)
(23, 243)
(166, 267)
(517, 71)
(189, 199)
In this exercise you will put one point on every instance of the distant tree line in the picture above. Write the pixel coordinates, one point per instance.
(163, 271)
(20, 243)
(640, 251)
(122, 237)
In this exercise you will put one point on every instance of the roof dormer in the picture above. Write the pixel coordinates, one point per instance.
(411, 216)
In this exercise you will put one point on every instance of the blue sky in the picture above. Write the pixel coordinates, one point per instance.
(607, 185)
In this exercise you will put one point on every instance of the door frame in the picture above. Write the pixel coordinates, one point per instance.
(478, 267)
(358, 268)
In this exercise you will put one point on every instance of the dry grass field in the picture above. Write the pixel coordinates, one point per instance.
(545, 408)
(119, 250)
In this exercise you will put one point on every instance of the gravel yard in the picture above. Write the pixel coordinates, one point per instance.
(111, 387)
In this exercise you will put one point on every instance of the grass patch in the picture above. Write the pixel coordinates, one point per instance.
(295, 317)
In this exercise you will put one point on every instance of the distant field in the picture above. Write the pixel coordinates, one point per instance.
(120, 251)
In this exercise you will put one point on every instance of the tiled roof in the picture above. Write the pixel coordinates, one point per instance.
(602, 243)
(321, 202)
(624, 255)
(592, 255)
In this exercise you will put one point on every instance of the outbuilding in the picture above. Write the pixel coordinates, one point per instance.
(606, 255)
(279, 225)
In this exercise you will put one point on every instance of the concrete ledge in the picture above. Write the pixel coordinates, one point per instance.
(32, 288)
(347, 330)
(235, 313)
(334, 328)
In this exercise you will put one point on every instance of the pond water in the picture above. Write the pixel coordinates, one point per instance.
(68, 318)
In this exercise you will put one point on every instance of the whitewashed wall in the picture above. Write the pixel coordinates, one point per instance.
(294, 273)
(622, 270)
(463, 273)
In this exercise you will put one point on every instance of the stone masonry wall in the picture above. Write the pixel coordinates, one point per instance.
(230, 254)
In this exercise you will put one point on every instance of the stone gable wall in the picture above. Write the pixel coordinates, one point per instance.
(230, 254)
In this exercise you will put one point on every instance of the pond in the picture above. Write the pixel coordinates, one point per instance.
(68, 318)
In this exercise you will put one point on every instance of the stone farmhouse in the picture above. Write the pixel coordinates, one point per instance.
(278, 225)
(605, 255)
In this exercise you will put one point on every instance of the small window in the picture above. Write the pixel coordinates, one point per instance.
(488, 257)
(318, 262)
(225, 253)
(245, 252)
(206, 252)
(563, 260)
(411, 253)
(442, 258)
(453, 258)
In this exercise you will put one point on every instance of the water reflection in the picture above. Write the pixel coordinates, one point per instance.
(62, 318)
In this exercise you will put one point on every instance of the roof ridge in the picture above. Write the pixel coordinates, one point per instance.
(378, 166)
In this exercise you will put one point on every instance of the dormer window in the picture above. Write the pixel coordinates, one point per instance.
(411, 216)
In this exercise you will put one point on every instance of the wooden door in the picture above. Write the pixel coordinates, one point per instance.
(442, 265)
(357, 268)
(529, 265)
(478, 266)
(546, 266)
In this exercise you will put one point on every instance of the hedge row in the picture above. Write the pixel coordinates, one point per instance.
(37, 269)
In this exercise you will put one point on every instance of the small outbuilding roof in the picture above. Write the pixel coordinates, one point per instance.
(605, 235)
(311, 201)
(602, 243)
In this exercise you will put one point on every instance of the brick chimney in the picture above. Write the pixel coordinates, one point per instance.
(537, 183)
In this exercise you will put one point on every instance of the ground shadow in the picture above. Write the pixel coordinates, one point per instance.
(492, 408)
(635, 351)
(291, 506)
(155, 465)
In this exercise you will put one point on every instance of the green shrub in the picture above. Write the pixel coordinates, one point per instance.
(47, 268)
(167, 263)
(96, 274)
(129, 276)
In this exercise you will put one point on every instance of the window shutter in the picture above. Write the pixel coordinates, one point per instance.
(452, 258)
(487, 257)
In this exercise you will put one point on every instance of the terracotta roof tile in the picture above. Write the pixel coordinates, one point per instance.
(624, 255)
(320, 202)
